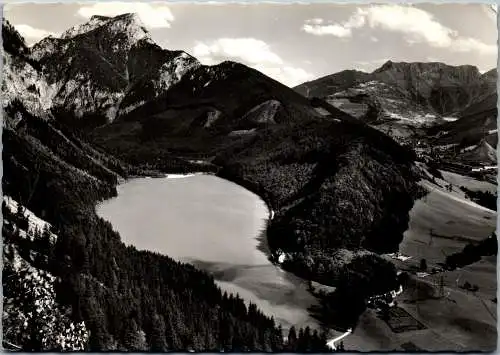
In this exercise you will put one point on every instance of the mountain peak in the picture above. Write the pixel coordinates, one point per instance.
(427, 66)
(129, 22)
(99, 18)
(128, 19)
(491, 74)
(13, 41)
(127, 16)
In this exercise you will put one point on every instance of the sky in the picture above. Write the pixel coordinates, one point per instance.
(292, 43)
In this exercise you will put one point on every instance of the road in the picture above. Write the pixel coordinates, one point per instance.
(331, 343)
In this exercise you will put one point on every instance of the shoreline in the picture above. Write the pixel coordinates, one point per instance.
(259, 245)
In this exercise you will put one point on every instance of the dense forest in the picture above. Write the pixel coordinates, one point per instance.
(128, 299)
(483, 198)
(333, 188)
(355, 283)
(473, 252)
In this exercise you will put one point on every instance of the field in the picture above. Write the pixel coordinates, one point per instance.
(454, 319)
(468, 182)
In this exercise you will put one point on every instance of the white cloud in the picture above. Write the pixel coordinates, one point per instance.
(418, 26)
(288, 75)
(31, 33)
(318, 27)
(472, 44)
(252, 52)
(324, 30)
(249, 50)
(151, 14)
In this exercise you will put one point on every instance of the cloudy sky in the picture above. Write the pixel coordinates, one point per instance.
(293, 43)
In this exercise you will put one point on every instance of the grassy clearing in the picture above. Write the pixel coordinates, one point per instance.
(461, 320)
(468, 182)
(452, 220)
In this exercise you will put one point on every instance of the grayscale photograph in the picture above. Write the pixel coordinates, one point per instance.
(236, 177)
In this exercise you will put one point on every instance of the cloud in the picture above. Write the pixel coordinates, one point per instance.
(323, 30)
(252, 52)
(288, 75)
(417, 26)
(31, 33)
(152, 15)
(249, 50)
(472, 44)
(318, 27)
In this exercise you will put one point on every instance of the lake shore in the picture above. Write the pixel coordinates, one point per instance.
(243, 267)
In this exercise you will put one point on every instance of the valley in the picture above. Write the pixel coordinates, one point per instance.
(453, 317)
(212, 208)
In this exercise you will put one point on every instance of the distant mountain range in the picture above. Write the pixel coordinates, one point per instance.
(457, 105)
(441, 89)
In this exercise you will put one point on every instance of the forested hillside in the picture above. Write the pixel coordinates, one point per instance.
(333, 188)
(121, 298)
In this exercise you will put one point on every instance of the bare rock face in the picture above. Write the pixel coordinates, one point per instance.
(444, 88)
(22, 80)
(263, 113)
(439, 89)
(95, 66)
(409, 101)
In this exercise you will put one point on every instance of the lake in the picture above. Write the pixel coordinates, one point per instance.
(219, 227)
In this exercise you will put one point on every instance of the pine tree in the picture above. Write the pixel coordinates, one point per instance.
(300, 341)
(158, 343)
(135, 339)
(292, 339)
(341, 346)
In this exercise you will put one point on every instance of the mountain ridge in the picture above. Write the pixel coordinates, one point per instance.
(410, 101)
(405, 76)
(253, 129)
